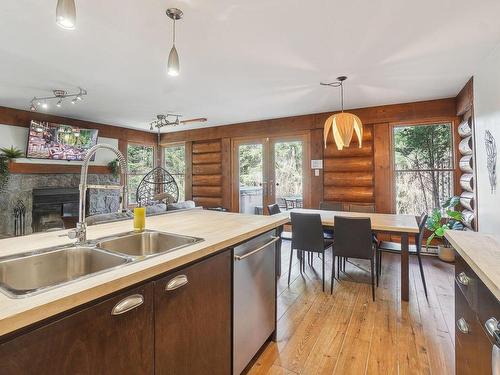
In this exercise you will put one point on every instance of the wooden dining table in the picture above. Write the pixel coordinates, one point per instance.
(401, 225)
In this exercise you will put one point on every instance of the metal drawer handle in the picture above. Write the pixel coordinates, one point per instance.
(463, 279)
(241, 257)
(463, 326)
(127, 304)
(491, 326)
(176, 282)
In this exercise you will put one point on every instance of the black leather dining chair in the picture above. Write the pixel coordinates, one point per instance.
(353, 239)
(274, 209)
(307, 238)
(393, 247)
(331, 206)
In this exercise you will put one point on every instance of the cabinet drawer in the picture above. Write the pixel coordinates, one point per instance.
(468, 282)
(112, 337)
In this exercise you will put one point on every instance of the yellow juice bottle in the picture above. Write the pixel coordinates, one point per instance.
(139, 219)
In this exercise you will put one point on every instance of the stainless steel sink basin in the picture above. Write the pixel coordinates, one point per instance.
(29, 273)
(147, 243)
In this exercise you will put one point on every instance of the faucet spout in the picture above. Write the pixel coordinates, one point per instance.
(81, 228)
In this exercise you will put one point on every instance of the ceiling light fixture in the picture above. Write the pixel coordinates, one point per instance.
(173, 67)
(343, 124)
(66, 14)
(59, 95)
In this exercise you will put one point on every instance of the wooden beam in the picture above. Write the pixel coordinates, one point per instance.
(465, 98)
(383, 182)
(36, 168)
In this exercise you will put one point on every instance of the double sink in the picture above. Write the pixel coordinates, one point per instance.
(26, 274)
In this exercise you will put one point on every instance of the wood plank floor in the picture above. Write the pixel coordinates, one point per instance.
(347, 333)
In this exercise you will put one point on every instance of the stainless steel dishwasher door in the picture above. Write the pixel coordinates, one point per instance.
(254, 300)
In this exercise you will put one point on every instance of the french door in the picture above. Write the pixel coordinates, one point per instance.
(269, 170)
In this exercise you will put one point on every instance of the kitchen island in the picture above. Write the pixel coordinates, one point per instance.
(204, 262)
(477, 306)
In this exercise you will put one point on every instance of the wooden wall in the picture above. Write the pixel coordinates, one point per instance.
(362, 175)
(17, 117)
(348, 174)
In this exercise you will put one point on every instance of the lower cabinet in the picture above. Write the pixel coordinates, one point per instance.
(111, 337)
(475, 307)
(180, 324)
(193, 319)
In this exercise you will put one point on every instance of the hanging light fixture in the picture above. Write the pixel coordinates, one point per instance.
(173, 67)
(343, 124)
(66, 14)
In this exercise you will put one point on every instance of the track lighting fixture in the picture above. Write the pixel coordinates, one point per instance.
(173, 67)
(66, 14)
(59, 95)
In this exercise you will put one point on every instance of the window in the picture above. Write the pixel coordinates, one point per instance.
(140, 161)
(423, 167)
(175, 164)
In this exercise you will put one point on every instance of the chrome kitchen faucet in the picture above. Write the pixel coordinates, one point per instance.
(80, 232)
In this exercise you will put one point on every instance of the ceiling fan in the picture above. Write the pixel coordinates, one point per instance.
(171, 119)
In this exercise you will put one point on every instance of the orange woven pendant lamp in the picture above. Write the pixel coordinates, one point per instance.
(343, 124)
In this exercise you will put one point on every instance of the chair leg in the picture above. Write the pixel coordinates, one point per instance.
(290, 266)
(372, 271)
(323, 272)
(333, 272)
(422, 273)
(343, 265)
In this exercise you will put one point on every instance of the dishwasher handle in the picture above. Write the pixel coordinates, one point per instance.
(241, 257)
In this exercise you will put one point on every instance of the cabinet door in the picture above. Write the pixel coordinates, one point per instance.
(91, 341)
(193, 319)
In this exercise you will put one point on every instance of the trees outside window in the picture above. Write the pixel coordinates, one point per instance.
(140, 161)
(423, 167)
(175, 164)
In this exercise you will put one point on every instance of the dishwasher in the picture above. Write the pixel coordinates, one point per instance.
(254, 297)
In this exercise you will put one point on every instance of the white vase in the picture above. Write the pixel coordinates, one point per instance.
(446, 254)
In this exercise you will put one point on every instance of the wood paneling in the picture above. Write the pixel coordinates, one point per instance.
(207, 173)
(465, 98)
(430, 110)
(382, 168)
(362, 168)
(316, 150)
(208, 158)
(349, 194)
(348, 179)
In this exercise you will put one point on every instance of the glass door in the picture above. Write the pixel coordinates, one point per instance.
(252, 182)
(287, 172)
(267, 171)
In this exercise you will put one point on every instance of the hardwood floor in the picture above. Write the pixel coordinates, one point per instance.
(347, 333)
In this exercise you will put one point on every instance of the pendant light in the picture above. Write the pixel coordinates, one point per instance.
(343, 124)
(173, 67)
(66, 14)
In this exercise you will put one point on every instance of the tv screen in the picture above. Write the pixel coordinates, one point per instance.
(47, 140)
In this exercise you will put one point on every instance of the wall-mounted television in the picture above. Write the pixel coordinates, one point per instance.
(47, 140)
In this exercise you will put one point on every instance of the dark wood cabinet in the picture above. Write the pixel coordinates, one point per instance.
(91, 341)
(474, 305)
(193, 319)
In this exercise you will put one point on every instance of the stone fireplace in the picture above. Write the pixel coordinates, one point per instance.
(51, 200)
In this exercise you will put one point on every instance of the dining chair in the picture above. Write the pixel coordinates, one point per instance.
(275, 209)
(307, 237)
(353, 239)
(394, 247)
(331, 206)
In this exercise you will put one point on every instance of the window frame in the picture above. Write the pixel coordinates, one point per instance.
(454, 122)
(151, 145)
(186, 160)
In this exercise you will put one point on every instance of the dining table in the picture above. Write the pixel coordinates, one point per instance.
(397, 224)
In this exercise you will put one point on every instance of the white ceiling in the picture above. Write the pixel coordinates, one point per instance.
(241, 60)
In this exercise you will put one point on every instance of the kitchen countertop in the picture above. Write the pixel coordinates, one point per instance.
(482, 253)
(218, 229)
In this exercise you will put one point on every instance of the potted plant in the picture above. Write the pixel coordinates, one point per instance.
(438, 224)
(7, 154)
